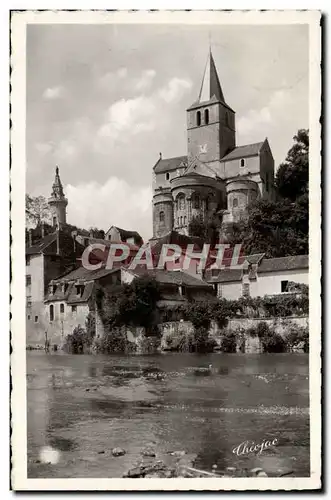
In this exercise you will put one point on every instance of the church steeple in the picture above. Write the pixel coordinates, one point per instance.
(210, 86)
(58, 201)
(210, 121)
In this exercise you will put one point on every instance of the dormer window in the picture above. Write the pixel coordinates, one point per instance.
(198, 118)
(206, 116)
(242, 162)
(80, 290)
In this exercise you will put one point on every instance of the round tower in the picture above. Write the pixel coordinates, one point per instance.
(162, 212)
(58, 202)
(240, 193)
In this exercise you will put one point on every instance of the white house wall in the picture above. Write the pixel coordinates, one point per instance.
(270, 283)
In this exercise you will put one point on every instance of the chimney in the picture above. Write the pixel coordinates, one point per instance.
(42, 230)
(30, 237)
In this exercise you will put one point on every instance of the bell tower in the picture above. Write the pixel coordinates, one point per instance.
(58, 202)
(210, 121)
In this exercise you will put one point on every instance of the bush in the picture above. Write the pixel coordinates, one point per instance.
(297, 335)
(272, 342)
(229, 342)
(114, 341)
(78, 342)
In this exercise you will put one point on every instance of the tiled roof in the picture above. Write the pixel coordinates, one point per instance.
(109, 243)
(85, 275)
(284, 263)
(73, 298)
(225, 276)
(82, 276)
(243, 151)
(125, 234)
(172, 277)
(254, 258)
(169, 164)
(41, 246)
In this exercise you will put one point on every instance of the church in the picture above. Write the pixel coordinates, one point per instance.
(216, 178)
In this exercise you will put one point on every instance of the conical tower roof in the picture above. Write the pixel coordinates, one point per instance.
(57, 191)
(210, 87)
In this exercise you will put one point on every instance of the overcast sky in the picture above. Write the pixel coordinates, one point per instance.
(104, 100)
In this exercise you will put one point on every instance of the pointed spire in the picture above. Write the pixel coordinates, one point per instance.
(210, 86)
(57, 191)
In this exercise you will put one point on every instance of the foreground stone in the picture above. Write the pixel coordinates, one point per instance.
(118, 452)
(181, 464)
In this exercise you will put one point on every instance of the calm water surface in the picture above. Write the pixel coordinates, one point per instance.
(83, 406)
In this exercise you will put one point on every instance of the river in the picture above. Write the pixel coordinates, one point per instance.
(82, 406)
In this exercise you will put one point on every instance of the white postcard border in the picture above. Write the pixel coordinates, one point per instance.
(20, 481)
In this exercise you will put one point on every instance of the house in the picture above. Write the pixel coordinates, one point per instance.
(117, 235)
(259, 276)
(176, 289)
(48, 258)
(71, 297)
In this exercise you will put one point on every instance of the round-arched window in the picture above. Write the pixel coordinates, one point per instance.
(181, 202)
(206, 116)
(198, 118)
(196, 201)
(161, 216)
(235, 202)
(51, 312)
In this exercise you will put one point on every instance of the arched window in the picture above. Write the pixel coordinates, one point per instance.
(235, 202)
(198, 118)
(161, 216)
(196, 201)
(51, 312)
(167, 176)
(61, 308)
(242, 162)
(206, 116)
(184, 220)
(181, 221)
(181, 202)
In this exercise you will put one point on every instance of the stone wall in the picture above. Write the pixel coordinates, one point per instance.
(172, 332)
(280, 325)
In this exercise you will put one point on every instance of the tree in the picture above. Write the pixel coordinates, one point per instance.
(280, 228)
(37, 210)
(197, 227)
(97, 233)
(292, 175)
(130, 304)
(205, 229)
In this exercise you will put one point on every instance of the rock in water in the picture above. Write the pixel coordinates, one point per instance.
(177, 453)
(148, 452)
(118, 452)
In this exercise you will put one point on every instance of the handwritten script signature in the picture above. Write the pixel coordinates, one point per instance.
(247, 447)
